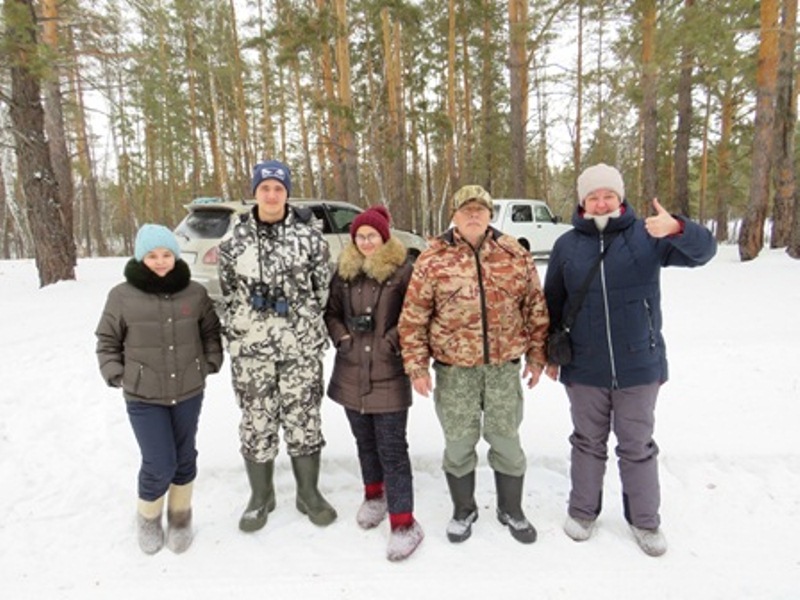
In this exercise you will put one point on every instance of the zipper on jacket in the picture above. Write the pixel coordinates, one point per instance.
(138, 378)
(650, 325)
(604, 289)
(484, 319)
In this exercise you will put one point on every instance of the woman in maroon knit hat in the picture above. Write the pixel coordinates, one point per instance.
(368, 379)
(376, 217)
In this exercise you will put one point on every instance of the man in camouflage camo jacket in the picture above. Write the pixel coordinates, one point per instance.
(475, 306)
(274, 275)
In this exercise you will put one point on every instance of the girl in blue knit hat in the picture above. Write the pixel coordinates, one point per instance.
(157, 339)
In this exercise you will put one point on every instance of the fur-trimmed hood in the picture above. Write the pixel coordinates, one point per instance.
(379, 266)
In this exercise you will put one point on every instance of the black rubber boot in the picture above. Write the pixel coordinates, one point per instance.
(465, 511)
(509, 508)
(309, 500)
(262, 496)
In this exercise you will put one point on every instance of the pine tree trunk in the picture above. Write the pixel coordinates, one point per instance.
(518, 80)
(467, 141)
(92, 207)
(195, 143)
(487, 104)
(54, 245)
(450, 156)
(395, 143)
(246, 159)
(683, 134)
(577, 142)
(333, 142)
(349, 147)
(54, 119)
(309, 186)
(724, 168)
(16, 233)
(703, 191)
(785, 119)
(265, 142)
(649, 114)
(751, 238)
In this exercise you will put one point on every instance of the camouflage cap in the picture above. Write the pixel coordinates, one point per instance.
(471, 193)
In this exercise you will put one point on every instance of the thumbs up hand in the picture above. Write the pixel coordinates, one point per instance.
(662, 223)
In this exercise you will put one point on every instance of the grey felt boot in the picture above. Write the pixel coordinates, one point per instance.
(179, 518)
(150, 532)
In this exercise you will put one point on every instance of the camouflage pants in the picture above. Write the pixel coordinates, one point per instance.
(279, 394)
(487, 395)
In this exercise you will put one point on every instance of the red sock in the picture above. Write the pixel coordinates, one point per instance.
(401, 520)
(373, 490)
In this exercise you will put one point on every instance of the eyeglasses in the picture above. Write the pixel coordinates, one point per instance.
(372, 238)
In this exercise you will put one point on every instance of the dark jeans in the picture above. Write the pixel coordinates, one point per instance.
(383, 455)
(166, 437)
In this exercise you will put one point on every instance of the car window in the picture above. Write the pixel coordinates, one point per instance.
(341, 217)
(205, 224)
(521, 213)
(543, 215)
(319, 213)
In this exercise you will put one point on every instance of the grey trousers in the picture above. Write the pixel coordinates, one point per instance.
(631, 414)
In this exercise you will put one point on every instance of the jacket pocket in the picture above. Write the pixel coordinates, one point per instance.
(345, 345)
(639, 325)
(139, 380)
(193, 376)
(388, 347)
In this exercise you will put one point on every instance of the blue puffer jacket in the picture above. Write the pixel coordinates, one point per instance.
(616, 338)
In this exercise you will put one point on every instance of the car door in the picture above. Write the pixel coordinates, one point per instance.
(336, 226)
(547, 230)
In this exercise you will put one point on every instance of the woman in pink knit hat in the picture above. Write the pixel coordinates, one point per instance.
(366, 296)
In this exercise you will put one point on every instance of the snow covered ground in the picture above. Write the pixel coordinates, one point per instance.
(730, 468)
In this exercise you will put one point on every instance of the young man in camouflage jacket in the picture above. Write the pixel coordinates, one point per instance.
(274, 276)
(475, 306)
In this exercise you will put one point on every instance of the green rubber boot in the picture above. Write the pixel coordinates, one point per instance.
(262, 497)
(309, 501)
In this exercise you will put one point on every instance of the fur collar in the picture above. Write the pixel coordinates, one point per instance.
(380, 266)
(142, 278)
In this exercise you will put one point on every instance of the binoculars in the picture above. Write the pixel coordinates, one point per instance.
(262, 299)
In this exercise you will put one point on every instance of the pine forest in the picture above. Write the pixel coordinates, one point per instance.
(114, 113)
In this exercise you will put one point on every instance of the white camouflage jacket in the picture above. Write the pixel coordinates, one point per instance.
(290, 260)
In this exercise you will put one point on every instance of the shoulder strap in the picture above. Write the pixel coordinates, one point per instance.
(569, 319)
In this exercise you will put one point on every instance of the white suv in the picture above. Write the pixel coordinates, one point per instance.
(209, 219)
(531, 222)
